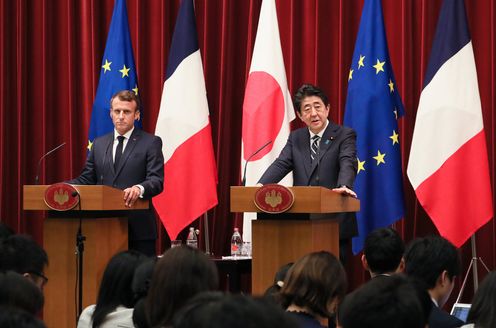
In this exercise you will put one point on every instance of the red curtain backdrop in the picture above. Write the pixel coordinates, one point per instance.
(50, 58)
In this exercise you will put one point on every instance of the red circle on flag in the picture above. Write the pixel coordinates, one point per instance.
(263, 114)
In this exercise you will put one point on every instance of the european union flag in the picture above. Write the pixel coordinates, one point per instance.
(118, 72)
(373, 106)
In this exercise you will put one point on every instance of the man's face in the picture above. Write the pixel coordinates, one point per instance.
(313, 113)
(123, 114)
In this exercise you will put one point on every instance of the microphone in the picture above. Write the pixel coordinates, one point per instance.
(37, 178)
(243, 181)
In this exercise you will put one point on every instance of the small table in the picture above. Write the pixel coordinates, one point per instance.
(233, 268)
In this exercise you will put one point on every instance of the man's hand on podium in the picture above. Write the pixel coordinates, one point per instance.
(345, 191)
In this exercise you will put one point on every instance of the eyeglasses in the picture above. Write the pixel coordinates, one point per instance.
(41, 275)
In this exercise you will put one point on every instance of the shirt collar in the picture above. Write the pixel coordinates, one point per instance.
(126, 135)
(321, 133)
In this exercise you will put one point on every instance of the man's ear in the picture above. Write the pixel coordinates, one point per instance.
(137, 115)
(365, 264)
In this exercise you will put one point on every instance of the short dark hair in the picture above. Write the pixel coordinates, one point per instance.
(180, 274)
(383, 250)
(5, 231)
(215, 310)
(426, 258)
(18, 318)
(126, 95)
(385, 301)
(308, 90)
(483, 310)
(314, 281)
(115, 288)
(22, 254)
(17, 291)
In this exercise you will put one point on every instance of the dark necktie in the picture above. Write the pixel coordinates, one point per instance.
(315, 147)
(118, 152)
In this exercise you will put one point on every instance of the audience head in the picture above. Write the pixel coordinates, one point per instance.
(19, 292)
(115, 288)
(383, 252)
(18, 318)
(141, 283)
(434, 261)
(316, 282)
(483, 310)
(180, 274)
(382, 302)
(279, 277)
(5, 231)
(215, 310)
(23, 255)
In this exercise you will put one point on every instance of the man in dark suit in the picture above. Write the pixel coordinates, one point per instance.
(132, 160)
(322, 154)
(434, 261)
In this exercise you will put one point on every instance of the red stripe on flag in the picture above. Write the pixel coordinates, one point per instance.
(190, 182)
(457, 196)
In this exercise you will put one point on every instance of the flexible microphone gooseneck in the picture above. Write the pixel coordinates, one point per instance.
(243, 181)
(37, 177)
(104, 161)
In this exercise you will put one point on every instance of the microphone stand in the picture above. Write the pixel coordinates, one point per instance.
(80, 238)
(243, 181)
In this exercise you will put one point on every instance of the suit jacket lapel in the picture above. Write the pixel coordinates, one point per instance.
(131, 143)
(329, 135)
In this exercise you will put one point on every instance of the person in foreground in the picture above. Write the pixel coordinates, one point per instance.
(313, 287)
(383, 252)
(383, 302)
(483, 310)
(115, 302)
(132, 160)
(434, 261)
(322, 154)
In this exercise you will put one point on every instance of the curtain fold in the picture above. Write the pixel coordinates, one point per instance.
(51, 52)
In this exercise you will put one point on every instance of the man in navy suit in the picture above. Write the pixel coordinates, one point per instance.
(322, 154)
(132, 160)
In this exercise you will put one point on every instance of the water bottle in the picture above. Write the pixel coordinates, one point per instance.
(192, 239)
(236, 243)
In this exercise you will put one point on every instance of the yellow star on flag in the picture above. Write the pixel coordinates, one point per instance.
(361, 165)
(360, 62)
(394, 137)
(350, 76)
(391, 86)
(125, 71)
(380, 157)
(90, 145)
(135, 89)
(106, 66)
(395, 111)
(379, 67)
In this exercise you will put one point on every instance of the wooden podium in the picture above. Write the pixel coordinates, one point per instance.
(104, 224)
(282, 238)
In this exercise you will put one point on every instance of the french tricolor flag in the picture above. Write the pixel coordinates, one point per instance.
(448, 166)
(190, 173)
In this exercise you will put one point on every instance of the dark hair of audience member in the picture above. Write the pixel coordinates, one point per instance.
(308, 90)
(5, 231)
(22, 254)
(382, 302)
(215, 310)
(141, 284)
(115, 288)
(279, 277)
(315, 281)
(180, 274)
(426, 259)
(383, 250)
(483, 310)
(19, 292)
(18, 318)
